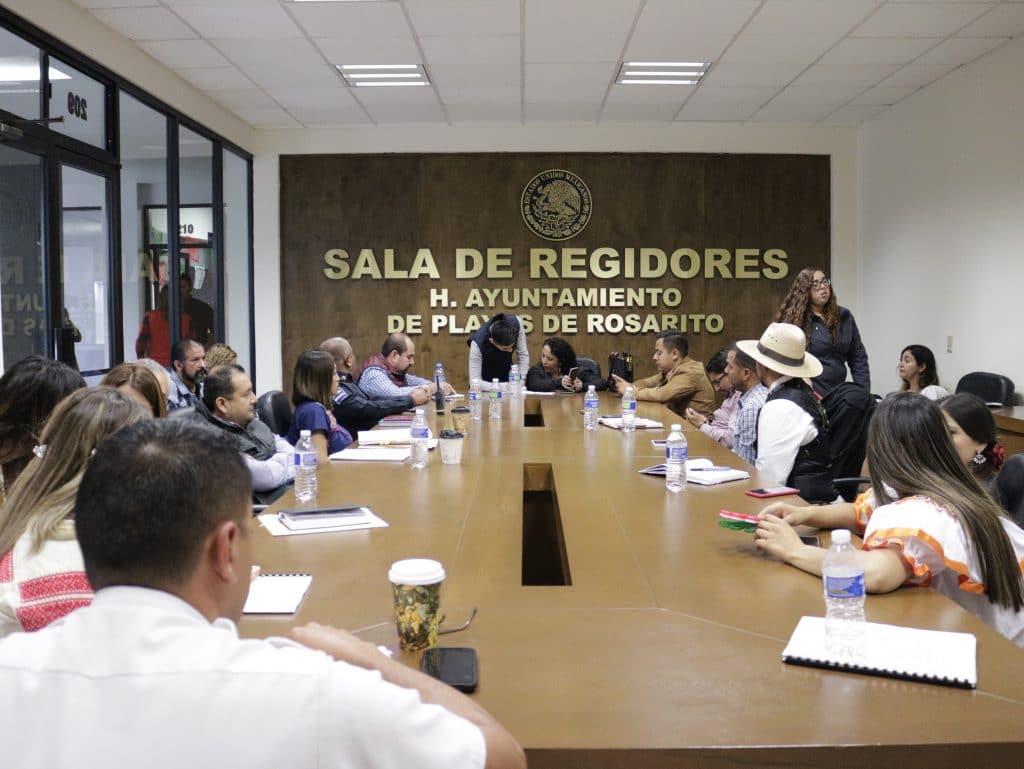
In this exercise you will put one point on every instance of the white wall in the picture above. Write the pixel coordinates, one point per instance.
(942, 224)
(839, 143)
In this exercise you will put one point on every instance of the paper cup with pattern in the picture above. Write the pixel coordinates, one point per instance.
(416, 587)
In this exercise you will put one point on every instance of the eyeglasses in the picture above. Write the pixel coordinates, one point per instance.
(823, 283)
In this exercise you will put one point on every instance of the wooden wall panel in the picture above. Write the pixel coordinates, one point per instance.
(446, 202)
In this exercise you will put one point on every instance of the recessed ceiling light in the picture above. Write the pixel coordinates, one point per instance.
(363, 75)
(662, 72)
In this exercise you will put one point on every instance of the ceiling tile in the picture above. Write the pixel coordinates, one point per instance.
(566, 18)
(1005, 20)
(216, 78)
(484, 76)
(184, 54)
(854, 114)
(752, 74)
(94, 4)
(676, 45)
(258, 22)
(468, 51)
(570, 76)
(461, 94)
(313, 98)
(816, 94)
(917, 75)
(707, 17)
(369, 50)
(717, 113)
(863, 75)
(920, 19)
(464, 17)
(146, 24)
(412, 113)
(234, 3)
(885, 95)
(877, 50)
(267, 118)
(554, 45)
(672, 95)
(792, 113)
(624, 112)
(733, 95)
(566, 112)
(244, 99)
(326, 116)
(762, 49)
(351, 19)
(960, 50)
(485, 113)
(826, 19)
(396, 96)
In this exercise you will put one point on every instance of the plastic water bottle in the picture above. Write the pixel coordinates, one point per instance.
(629, 410)
(475, 403)
(420, 434)
(676, 453)
(513, 380)
(439, 390)
(842, 576)
(590, 405)
(305, 468)
(494, 409)
(439, 375)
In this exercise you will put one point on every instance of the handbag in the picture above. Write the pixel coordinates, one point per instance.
(619, 364)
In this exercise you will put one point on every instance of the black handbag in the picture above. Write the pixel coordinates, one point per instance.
(619, 364)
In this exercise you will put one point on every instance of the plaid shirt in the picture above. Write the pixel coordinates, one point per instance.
(745, 433)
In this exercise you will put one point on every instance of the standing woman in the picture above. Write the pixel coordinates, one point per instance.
(42, 575)
(832, 335)
(933, 524)
(918, 372)
(314, 382)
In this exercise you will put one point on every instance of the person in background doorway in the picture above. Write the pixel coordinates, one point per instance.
(199, 312)
(154, 339)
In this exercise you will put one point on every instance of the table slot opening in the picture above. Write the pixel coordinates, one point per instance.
(545, 561)
(532, 415)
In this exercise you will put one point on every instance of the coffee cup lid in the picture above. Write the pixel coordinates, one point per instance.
(416, 571)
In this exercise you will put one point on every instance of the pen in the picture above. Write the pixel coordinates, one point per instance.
(706, 469)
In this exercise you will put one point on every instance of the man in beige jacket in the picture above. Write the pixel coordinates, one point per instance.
(680, 381)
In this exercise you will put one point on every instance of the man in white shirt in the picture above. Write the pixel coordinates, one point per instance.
(792, 429)
(153, 673)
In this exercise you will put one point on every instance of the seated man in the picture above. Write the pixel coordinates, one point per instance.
(721, 426)
(792, 431)
(491, 348)
(170, 556)
(742, 372)
(680, 381)
(352, 408)
(188, 368)
(228, 406)
(386, 374)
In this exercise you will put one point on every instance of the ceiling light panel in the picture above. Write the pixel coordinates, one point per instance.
(383, 75)
(662, 72)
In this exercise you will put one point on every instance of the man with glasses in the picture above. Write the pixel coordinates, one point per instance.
(722, 424)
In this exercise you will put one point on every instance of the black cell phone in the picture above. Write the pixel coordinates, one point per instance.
(811, 539)
(455, 666)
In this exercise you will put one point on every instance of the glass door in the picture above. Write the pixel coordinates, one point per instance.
(22, 266)
(83, 334)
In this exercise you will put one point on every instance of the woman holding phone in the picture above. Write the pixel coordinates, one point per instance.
(560, 371)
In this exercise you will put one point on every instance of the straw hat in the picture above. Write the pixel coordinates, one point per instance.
(782, 348)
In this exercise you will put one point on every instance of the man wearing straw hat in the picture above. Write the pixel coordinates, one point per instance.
(792, 429)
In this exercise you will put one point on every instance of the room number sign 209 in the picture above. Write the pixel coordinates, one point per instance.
(78, 106)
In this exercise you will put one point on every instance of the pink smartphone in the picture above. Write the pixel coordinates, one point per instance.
(773, 491)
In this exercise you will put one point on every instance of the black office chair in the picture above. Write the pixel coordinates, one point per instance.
(1010, 487)
(275, 411)
(991, 388)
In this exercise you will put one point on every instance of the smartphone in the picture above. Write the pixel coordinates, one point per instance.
(810, 539)
(573, 372)
(772, 491)
(455, 666)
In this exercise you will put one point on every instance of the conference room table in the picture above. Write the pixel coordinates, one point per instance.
(649, 636)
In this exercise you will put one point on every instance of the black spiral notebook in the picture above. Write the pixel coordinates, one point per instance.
(928, 656)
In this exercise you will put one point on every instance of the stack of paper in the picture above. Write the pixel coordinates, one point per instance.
(372, 454)
(641, 424)
(276, 593)
(706, 473)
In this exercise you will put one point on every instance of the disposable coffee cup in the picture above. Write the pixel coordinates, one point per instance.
(451, 447)
(416, 587)
(460, 419)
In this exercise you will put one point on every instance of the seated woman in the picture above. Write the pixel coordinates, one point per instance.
(932, 524)
(918, 372)
(973, 431)
(139, 382)
(313, 384)
(29, 391)
(557, 360)
(37, 527)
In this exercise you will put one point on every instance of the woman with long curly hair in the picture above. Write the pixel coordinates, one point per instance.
(831, 331)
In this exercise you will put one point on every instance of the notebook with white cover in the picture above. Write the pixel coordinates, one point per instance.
(928, 656)
(706, 473)
(277, 593)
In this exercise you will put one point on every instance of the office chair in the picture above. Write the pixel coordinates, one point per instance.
(275, 411)
(991, 388)
(1010, 487)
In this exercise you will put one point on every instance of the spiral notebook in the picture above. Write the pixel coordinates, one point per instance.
(277, 593)
(928, 656)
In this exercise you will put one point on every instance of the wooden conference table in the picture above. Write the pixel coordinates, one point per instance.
(663, 650)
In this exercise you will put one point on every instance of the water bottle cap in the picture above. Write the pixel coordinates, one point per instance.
(676, 427)
(841, 537)
(304, 433)
(419, 412)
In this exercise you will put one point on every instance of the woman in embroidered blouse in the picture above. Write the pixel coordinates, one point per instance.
(313, 385)
(927, 521)
(37, 530)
